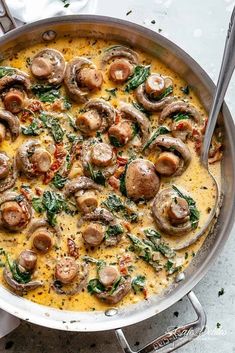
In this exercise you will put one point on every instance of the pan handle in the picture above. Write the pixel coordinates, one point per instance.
(171, 340)
(7, 22)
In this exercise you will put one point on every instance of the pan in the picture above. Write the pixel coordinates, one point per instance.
(153, 43)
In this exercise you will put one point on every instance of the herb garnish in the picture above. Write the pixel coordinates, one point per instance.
(180, 116)
(46, 93)
(162, 130)
(115, 205)
(6, 71)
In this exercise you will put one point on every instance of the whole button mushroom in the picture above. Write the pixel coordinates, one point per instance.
(15, 211)
(141, 180)
(49, 65)
(121, 133)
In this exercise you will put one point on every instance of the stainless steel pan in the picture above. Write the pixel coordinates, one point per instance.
(185, 66)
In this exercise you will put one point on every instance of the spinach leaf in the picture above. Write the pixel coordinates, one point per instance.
(145, 252)
(74, 138)
(165, 250)
(149, 232)
(114, 230)
(95, 286)
(138, 283)
(46, 93)
(38, 205)
(114, 203)
(194, 213)
(67, 104)
(139, 76)
(20, 277)
(54, 127)
(115, 286)
(180, 116)
(162, 130)
(54, 203)
(6, 71)
(166, 93)
(34, 129)
(171, 268)
(96, 175)
(59, 181)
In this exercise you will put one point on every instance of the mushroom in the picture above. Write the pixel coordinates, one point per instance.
(121, 133)
(93, 234)
(98, 157)
(84, 191)
(123, 62)
(99, 115)
(8, 172)
(17, 80)
(120, 51)
(14, 101)
(20, 287)
(174, 162)
(15, 211)
(108, 275)
(141, 180)
(171, 213)
(49, 65)
(12, 122)
(120, 292)
(150, 94)
(130, 112)
(32, 159)
(180, 107)
(82, 77)
(71, 276)
(182, 129)
(27, 260)
(41, 233)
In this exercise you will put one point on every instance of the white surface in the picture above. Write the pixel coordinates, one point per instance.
(199, 27)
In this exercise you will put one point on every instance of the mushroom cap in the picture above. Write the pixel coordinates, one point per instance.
(18, 78)
(77, 93)
(120, 51)
(141, 180)
(180, 107)
(12, 122)
(122, 290)
(80, 183)
(57, 62)
(104, 109)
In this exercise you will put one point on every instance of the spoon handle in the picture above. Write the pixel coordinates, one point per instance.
(226, 71)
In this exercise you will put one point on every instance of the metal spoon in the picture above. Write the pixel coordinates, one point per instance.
(226, 71)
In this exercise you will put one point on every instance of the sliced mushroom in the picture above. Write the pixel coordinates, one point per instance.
(65, 270)
(81, 76)
(12, 122)
(32, 159)
(7, 172)
(122, 290)
(49, 65)
(93, 234)
(135, 115)
(171, 217)
(150, 94)
(15, 211)
(20, 287)
(108, 275)
(99, 156)
(177, 167)
(121, 133)
(2, 132)
(28, 260)
(120, 51)
(141, 180)
(180, 107)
